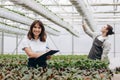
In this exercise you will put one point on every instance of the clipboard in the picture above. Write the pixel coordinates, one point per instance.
(44, 56)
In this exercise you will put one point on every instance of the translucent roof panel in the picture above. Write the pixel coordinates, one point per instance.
(104, 11)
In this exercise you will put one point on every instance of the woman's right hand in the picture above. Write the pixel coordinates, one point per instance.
(48, 57)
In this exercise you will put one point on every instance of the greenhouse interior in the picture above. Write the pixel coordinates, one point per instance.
(67, 25)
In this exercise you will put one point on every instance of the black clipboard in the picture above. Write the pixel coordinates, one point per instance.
(44, 56)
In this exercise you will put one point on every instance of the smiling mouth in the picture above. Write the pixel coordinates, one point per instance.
(37, 32)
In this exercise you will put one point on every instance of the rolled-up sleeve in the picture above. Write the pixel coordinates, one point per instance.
(106, 49)
(25, 43)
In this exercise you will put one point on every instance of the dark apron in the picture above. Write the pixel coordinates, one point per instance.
(96, 50)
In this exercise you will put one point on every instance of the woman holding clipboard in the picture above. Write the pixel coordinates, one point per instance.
(35, 45)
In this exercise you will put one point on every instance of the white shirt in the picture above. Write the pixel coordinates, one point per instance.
(101, 38)
(35, 45)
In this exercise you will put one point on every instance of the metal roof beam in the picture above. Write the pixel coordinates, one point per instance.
(107, 12)
(105, 4)
(108, 17)
(12, 30)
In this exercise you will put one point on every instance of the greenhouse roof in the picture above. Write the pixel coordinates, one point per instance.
(60, 16)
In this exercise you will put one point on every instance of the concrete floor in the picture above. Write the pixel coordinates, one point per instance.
(116, 77)
(114, 62)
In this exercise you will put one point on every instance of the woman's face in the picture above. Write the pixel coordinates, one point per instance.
(36, 30)
(104, 29)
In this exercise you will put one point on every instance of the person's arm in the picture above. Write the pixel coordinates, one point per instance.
(28, 50)
(31, 54)
(106, 49)
(87, 31)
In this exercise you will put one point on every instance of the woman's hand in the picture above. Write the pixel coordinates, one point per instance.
(48, 57)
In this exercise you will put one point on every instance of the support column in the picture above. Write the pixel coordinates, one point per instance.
(16, 44)
(114, 43)
(72, 44)
(72, 35)
(2, 43)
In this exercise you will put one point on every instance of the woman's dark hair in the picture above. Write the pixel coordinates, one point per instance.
(42, 35)
(110, 30)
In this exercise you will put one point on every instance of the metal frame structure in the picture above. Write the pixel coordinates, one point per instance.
(5, 13)
(36, 7)
(61, 14)
(85, 12)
